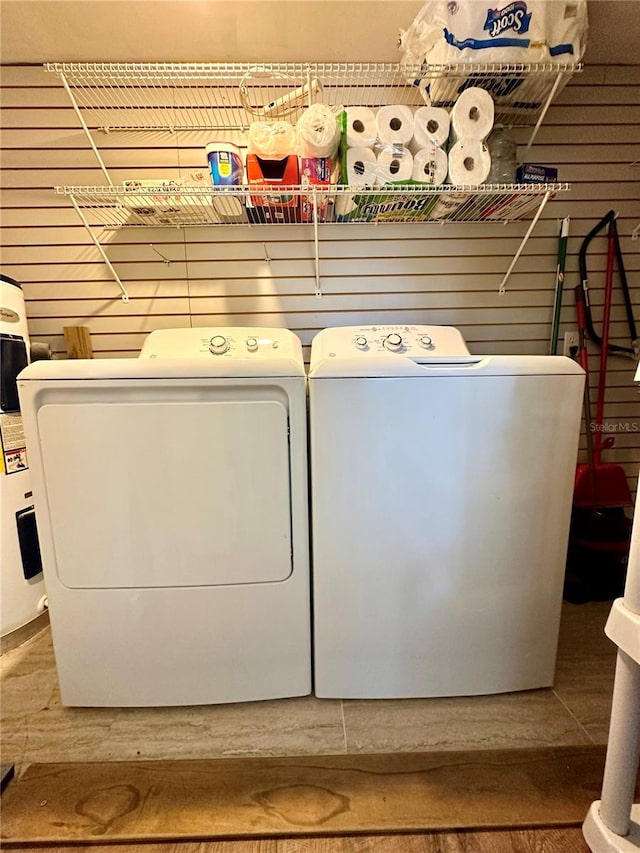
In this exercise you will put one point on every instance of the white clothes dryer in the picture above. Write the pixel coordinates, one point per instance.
(174, 526)
(441, 499)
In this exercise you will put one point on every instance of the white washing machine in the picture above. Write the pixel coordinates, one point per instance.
(172, 499)
(441, 498)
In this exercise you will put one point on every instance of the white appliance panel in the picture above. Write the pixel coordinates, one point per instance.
(202, 496)
(440, 510)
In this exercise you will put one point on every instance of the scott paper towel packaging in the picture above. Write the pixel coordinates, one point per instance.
(395, 125)
(518, 31)
(472, 115)
(431, 127)
(469, 162)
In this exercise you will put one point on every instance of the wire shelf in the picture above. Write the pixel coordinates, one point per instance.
(117, 207)
(228, 97)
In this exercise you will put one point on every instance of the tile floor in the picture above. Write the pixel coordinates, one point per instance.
(36, 727)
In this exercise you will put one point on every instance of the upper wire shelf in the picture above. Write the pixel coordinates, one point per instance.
(229, 96)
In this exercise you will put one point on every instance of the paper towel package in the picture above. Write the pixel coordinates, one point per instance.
(431, 127)
(430, 166)
(395, 124)
(394, 165)
(273, 140)
(472, 115)
(359, 167)
(361, 130)
(509, 32)
(318, 132)
(271, 175)
(469, 163)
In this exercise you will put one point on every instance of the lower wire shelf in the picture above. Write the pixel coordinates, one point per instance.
(120, 206)
(172, 204)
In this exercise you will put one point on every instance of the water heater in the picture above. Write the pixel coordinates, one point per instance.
(21, 583)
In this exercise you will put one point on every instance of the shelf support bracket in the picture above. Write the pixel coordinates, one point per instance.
(316, 243)
(97, 244)
(542, 115)
(545, 199)
(87, 132)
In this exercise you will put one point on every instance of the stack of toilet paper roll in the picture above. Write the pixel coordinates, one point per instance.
(377, 150)
(472, 118)
(430, 134)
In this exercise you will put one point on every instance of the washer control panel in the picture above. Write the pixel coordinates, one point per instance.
(222, 342)
(408, 341)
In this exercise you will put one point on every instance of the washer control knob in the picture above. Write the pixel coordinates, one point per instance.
(361, 342)
(252, 344)
(218, 345)
(393, 342)
(425, 341)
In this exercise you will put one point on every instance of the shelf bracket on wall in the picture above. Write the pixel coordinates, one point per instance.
(316, 243)
(87, 132)
(97, 244)
(532, 225)
(550, 97)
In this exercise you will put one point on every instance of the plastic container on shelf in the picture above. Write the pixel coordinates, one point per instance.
(504, 156)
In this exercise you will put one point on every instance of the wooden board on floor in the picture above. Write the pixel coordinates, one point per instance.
(264, 797)
(507, 841)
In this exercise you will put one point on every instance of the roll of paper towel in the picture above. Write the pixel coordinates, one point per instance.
(431, 126)
(361, 127)
(362, 168)
(272, 140)
(469, 162)
(430, 166)
(395, 124)
(472, 115)
(318, 132)
(394, 166)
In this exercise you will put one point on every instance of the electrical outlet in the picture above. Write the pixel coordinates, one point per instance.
(571, 343)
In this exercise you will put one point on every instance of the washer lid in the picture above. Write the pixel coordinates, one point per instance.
(227, 344)
(443, 366)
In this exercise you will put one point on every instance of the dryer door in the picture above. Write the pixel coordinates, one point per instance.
(168, 493)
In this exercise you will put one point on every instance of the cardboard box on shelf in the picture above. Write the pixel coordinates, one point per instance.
(269, 175)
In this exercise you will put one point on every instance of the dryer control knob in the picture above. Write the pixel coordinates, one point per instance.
(218, 345)
(393, 342)
(425, 341)
(252, 344)
(361, 342)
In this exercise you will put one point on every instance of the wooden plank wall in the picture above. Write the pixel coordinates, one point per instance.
(447, 274)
